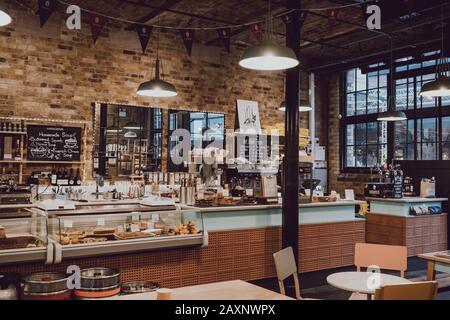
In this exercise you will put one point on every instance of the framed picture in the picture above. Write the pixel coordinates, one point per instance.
(248, 116)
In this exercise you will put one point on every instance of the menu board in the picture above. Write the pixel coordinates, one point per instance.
(51, 143)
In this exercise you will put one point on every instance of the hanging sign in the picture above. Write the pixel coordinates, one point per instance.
(248, 116)
(288, 18)
(97, 24)
(332, 16)
(257, 31)
(225, 36)
(46, 8)
(144, 33)
(188, 39)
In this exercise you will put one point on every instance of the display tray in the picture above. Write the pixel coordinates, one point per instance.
(20, 242)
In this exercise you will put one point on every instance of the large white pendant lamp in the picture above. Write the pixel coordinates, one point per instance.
(5, 18)
(157, 87)
(441, 86)
(269, 55)
(392, 114)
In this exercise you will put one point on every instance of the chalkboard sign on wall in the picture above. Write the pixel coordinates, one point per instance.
(49, 143)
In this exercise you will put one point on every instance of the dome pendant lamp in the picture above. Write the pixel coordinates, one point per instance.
(157, 88)
(441, 86)
(303, 106)
(268, 55)
(392, 114)
(5, 18)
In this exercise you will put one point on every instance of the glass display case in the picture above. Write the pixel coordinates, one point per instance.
(94, 230)
(91, 234)
(23, 239)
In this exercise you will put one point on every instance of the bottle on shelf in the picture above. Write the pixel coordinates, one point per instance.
(71, 178)
(53, 177)
(78, 178)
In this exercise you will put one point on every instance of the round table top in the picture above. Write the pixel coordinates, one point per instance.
(363, 282)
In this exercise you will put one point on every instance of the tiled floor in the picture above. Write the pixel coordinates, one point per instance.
(314, 284)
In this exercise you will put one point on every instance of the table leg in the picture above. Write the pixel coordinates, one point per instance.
(431, 273)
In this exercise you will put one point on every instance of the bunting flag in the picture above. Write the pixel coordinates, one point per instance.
(188, 39)
(332, 16)
(257, 31)
(287, 18)
(97, 24)
(225, 36)
(46, 8)
(144, 33)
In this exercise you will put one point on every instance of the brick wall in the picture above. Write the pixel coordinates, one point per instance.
(57, 73)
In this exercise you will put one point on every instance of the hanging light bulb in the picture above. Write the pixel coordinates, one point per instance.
(268, 55)
(440, 87)
(130, 135)
(303, 106)
(157, 87)
(5, 18)
(391, 114)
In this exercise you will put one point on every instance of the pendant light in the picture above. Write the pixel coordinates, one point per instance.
(303, 106)
(392, 114)
(439, 87)
(130, 135)
(113, 129)
(268, 55)
(157, 87)
(5, 18)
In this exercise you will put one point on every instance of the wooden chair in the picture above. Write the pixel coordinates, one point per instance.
(286, 267)
(383, 256)
(426, 290)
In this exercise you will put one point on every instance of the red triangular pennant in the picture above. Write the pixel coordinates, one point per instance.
(144, 34)
(188, 39)
(257, 31)
(332, 17)
(225, 36)
(46, 8)
(97, 24)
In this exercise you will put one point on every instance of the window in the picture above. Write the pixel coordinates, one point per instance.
(366, 95)
(424, 136)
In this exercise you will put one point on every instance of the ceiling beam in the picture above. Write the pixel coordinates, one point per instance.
(178, 12)
(156, 12)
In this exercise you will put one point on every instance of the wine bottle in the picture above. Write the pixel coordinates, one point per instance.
(78, 178)
(71, 178)
(53, 177)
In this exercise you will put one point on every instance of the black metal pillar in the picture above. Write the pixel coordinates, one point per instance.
(290, 181)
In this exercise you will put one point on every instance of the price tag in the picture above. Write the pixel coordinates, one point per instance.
(249, 192)
(101, 221)
(135, 217)
(155, 217)
(135, 228)
(226, 193)
(200, 196)
(120, 228)
(68, 224)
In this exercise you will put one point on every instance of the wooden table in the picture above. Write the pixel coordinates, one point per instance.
(436, 263)
(228, 290)
(359, 281)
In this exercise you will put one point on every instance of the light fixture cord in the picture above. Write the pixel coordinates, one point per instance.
(391, 102)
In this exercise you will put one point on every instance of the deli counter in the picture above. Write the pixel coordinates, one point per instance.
(96, 228)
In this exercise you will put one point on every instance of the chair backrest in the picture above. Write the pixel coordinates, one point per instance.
(411, 291)
(383, 256)
(286, 267)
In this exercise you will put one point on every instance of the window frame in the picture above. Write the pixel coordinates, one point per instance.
(416, 113)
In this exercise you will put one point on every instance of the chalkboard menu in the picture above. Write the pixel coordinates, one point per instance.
(398, 187)
(49, 143)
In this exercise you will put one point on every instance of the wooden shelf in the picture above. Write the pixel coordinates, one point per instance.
(13, 132)
(42, 162)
